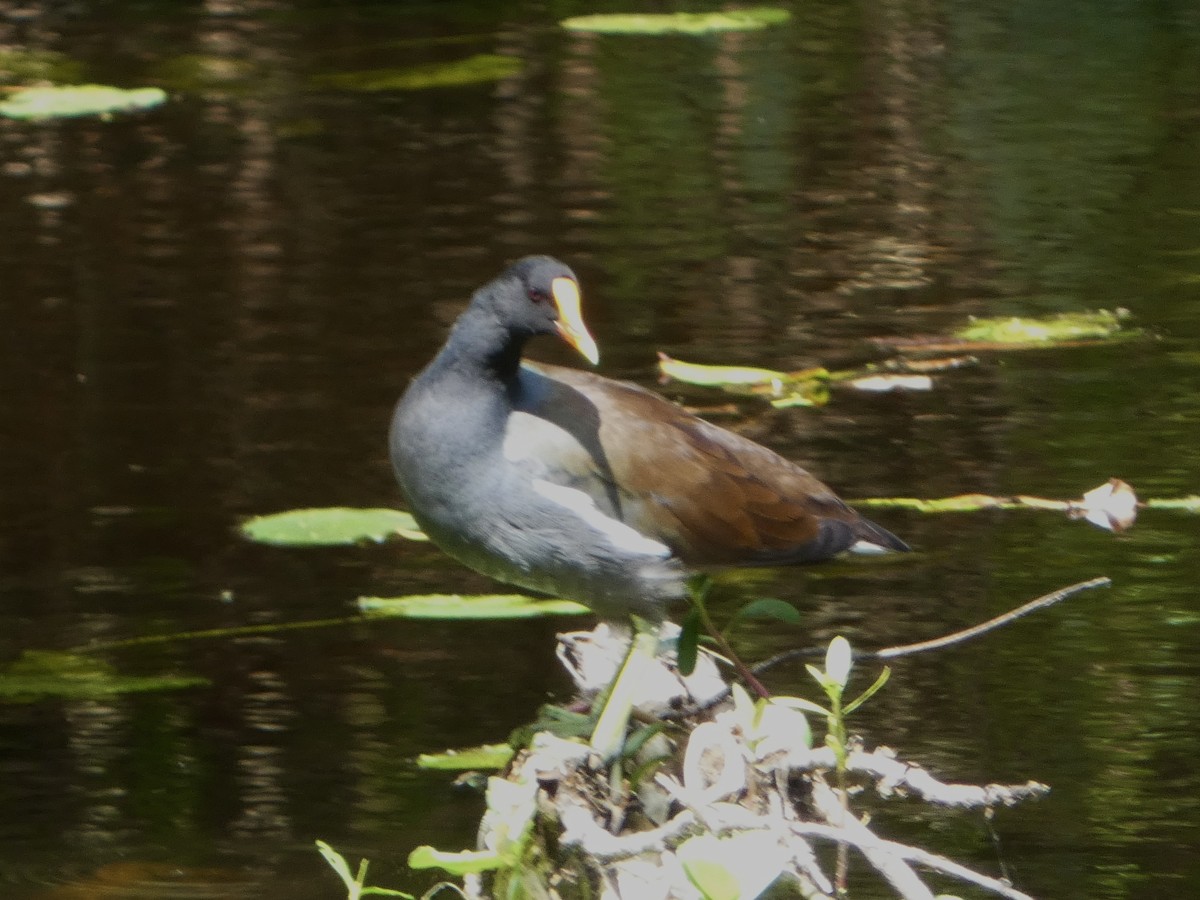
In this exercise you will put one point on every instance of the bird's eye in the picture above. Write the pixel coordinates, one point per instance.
(537, 295)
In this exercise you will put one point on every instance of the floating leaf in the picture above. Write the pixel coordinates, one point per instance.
(486, 756)
(883, 383)
(1072, 326)
(1112, 506)
(39, 674)
(717, 376)
(331, 526)
(482, 67)
(750, 19)
(802, 393)
(1022, 333)
(456, 606)
(78, 100)
(1186, 504)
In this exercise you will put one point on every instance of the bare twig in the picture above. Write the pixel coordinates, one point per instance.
(948, 640)
(895, 774)
(1000, 621)
(890, 864)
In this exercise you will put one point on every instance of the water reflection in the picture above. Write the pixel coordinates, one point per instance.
(209, 310)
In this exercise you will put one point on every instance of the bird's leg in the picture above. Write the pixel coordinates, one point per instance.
(608, 737)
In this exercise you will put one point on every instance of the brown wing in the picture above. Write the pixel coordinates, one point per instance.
(711, 495)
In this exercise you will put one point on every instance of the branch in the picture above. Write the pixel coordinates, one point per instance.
(895, 774)
(883, 855)
(948, 640)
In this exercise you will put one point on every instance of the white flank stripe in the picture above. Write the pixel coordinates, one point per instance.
(618, 533)
(866, 548)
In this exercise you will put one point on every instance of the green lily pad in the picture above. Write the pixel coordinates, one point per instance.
(1075, 326)
(455, 606)
(39, 103)
(41, 674)
(718, 375)
(482, 67)
(331, 527)
(751, 19)
(485, 756)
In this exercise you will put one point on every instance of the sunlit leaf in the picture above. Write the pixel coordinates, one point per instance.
(801, 704)
(880, 384)
(331, 526)
(456, 606)
(485, 756)
(679, 23)
(482, 67)
(463, 862)
(869, 692)
(959, 503)
(338, 863)
(1072, 326)
(58, 102)
(1184, 504)
(738, 867)
(801, 393)
(39, 674)
(1112, 506)
(717, 376)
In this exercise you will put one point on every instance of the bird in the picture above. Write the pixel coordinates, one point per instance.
(564, 482)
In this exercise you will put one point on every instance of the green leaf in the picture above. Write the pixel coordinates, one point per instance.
(1073, 326)
(766, 608)
(1185, 504)
(717, 376)
(485, 756)
(739, 867)
(482, 67)
(464, 862)
(65, 101)
(821, 678)
(750, 19)
(458, 607)
(354, 883)
(802, 704)
(689, 642)
(331, 526)
(338, 863)
(868, 693)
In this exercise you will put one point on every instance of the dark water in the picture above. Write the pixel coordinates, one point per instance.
(207, 311)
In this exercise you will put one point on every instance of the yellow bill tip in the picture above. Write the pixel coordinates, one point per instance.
(570, 319)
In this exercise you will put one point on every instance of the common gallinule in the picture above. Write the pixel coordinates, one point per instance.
(563, 482)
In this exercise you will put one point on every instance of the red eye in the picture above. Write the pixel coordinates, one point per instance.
(537, 295)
